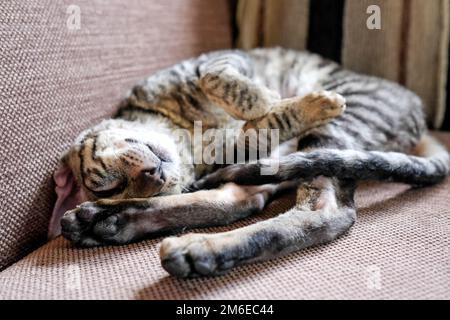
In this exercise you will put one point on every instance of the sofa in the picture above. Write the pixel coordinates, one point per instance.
(65, 65)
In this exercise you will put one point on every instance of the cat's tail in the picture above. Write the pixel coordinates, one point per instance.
(429, 165)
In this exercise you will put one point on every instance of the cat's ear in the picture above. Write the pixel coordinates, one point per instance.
(69, 195)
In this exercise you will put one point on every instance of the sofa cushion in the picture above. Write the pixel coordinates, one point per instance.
(60, 74)
(398, 249)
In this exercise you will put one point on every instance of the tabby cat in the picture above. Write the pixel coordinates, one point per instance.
(133, 164)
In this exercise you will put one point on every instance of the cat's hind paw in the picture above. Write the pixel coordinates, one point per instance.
(323, 105)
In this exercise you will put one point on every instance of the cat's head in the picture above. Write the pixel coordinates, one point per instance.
(116, 159)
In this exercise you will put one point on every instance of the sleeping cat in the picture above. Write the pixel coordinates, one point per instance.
(133, 164)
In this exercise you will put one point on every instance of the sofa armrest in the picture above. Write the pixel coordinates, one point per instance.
(64, 68)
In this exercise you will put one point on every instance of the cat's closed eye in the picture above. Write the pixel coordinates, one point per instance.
(163, 156)
(111, 190)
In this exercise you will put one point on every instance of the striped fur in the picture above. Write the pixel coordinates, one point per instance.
(300, 93)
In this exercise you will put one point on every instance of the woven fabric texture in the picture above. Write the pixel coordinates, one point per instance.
(396, 50)
(398, 249)
(65, 67)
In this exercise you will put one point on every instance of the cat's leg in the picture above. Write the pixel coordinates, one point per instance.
(325, 210)
(124, 221)
(295, 117)
(227, 81)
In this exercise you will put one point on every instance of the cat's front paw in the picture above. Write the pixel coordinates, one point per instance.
(97, 223)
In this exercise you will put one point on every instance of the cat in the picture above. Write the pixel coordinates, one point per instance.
(132, 164)
(138, 154)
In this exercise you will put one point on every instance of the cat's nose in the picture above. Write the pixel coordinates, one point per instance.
(150, 176)
(151, 173)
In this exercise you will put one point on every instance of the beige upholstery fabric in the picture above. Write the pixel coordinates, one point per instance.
(273, 23)
(411, 48)
(286, 23)
(398, 249)
(383, 46)
(249, 21)
(56, 81)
